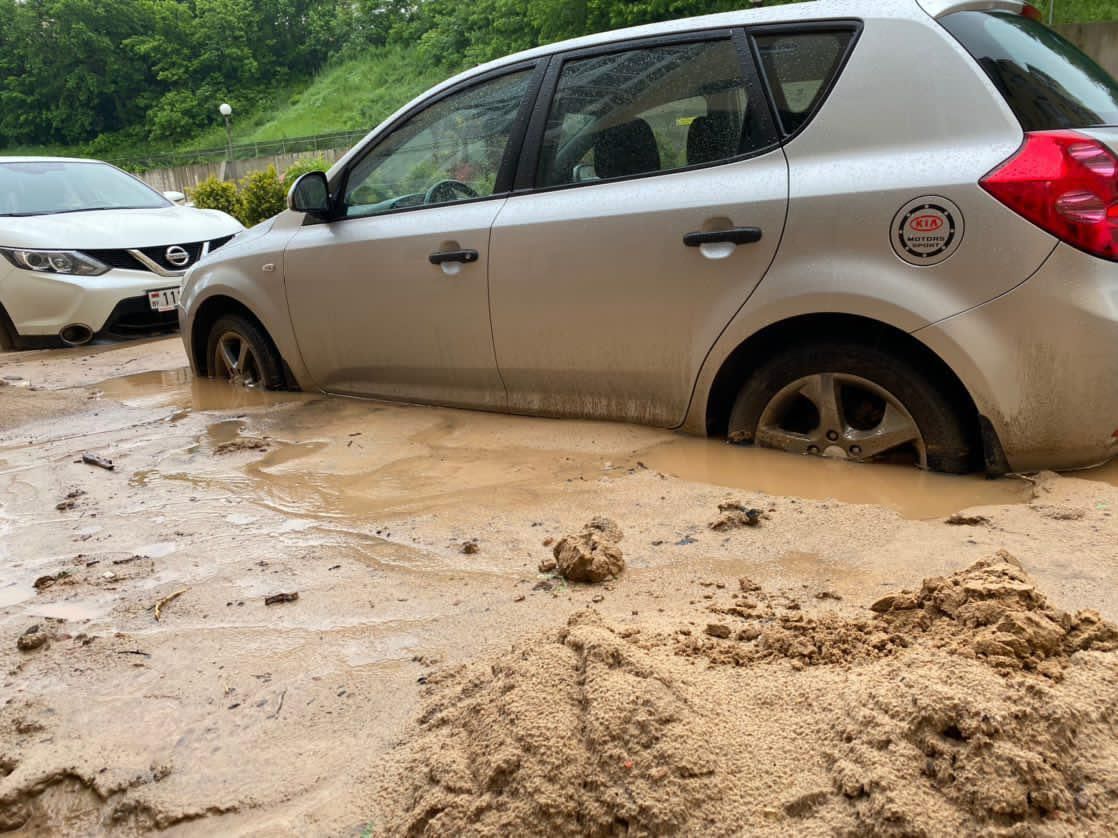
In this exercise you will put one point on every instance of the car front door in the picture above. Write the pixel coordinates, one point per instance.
(391, 298)
(650, 203)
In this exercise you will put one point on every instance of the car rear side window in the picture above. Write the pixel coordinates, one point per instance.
(647, 110)
(1046, 80)
(799, 68)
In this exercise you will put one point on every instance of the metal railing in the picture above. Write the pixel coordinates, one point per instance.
(241, 151)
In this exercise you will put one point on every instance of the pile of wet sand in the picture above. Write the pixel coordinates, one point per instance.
(968, 705)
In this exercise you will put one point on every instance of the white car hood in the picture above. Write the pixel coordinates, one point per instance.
(116, 229)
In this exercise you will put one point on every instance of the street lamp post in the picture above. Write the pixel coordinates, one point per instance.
(226, 111)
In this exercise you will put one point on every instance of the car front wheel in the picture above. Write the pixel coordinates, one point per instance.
(240, 352)
(851, 401)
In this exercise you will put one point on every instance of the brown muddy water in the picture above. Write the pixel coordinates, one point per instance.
(304, 472)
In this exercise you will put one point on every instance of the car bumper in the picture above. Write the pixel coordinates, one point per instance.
(1041, 362)
(115, 303)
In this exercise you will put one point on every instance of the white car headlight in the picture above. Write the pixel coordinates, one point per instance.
(69, 262)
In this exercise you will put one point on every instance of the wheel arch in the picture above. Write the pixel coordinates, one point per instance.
(751, 353)
(209, 312)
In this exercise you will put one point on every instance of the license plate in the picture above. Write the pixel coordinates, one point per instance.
(165, 299)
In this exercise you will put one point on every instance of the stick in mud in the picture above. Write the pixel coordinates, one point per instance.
(166, 600)
(100, 462)
(275, 599)
(274, 715)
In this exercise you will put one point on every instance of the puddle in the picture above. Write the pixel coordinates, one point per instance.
(911, 492)
(178, 388)
(15, 593)
(70, 611)
(337, 457)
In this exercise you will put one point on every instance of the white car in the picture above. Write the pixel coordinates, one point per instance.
(87, 250)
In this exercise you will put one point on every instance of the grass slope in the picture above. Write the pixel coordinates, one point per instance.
(352, 94)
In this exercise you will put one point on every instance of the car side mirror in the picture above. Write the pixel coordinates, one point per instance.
(174, 197)
(310, 194)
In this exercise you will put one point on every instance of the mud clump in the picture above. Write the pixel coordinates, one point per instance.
(736, 515)
(33, 638)
(241, 443)
(960, 520)
(592, 555)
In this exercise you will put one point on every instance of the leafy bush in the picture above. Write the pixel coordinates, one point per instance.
(216, 194)
(301, 167)
(261, 196)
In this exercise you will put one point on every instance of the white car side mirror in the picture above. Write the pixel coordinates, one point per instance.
(175, 197)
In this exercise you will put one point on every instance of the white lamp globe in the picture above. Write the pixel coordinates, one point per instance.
(225, 108)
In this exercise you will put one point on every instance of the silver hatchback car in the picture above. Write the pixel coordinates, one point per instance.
(878, 229)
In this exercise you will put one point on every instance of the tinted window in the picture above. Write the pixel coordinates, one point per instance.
(42, 188)
(648, 110)
(1045, 79)
(449, 152)
(799, 67)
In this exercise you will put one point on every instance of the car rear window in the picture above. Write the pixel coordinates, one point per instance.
(799, 68)
(1046, 80)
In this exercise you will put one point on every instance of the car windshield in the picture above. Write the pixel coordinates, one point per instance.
(43, 188)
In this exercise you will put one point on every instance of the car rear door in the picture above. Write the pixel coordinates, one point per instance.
(650, 202)
(391, 299)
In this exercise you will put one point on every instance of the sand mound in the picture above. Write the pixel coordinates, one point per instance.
(925, 748)
(969, 705)
(991, 610)
(575, 732)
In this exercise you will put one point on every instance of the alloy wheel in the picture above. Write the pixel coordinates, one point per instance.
(235, 360)
(842, 416)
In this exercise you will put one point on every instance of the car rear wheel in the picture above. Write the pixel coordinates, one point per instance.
(851, 401)
(240, 352)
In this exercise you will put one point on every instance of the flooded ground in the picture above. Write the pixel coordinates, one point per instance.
(912, 493)
(229, 715)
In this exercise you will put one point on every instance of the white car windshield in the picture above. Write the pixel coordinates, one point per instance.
(47, 187)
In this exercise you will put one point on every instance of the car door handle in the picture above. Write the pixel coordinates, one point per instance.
(735, 235)
(444, 256)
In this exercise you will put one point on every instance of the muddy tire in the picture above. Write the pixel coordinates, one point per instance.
(7, 331)
(241, 352)
(854, 401)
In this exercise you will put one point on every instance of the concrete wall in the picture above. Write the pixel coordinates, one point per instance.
(181, 178)
(1098, 40)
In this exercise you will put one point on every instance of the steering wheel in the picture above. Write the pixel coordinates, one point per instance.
(445, 191)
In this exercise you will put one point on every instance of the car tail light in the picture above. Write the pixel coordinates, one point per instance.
(1031, 12)
(1065, 183)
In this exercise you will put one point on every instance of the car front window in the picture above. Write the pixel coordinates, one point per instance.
(48, 187)
(451, 151)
